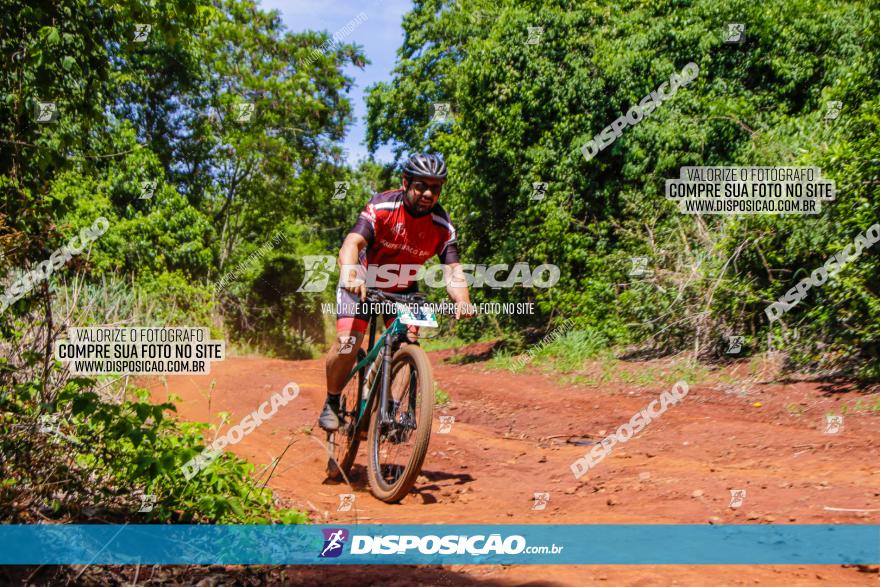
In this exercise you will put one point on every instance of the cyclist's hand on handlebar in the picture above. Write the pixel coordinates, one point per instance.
(355, 285)
(464, 310)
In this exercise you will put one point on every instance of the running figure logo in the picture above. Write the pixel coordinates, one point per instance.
(141, 32)
(737, 497)
(346, 500)
(540, 501)
(245, 112)
(735, 33)
(833, 112)
(317, 272)
(446, 423)
(148, 188)
(734, 344)
(539, 190)
(640, 267)
(442, 112)
(346, 344)
(334, 540)
(341, 188)
(833, 424)
(535, 34)
(148, 502)
(46, 112)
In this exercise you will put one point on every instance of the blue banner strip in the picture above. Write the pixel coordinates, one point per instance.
(833, 544)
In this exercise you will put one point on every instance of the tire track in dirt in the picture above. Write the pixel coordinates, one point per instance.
(508, 442)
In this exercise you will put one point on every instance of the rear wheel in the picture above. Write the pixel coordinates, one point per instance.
(397, 448)
(344, 441)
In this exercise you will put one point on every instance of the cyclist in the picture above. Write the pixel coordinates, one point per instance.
(401, 227)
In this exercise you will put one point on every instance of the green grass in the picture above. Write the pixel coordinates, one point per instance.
(444, 343)
(567, 353)
(441, 398)
(567, 357)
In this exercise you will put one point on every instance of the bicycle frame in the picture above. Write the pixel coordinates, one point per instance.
(386, 341)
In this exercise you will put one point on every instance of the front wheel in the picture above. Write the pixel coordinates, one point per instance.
(343, 443)
(398, 446)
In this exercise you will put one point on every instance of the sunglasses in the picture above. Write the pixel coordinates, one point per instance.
(421, 187)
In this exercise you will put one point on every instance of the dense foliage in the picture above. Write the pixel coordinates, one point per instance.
(198, 140)
(210, 143)
(523, 111)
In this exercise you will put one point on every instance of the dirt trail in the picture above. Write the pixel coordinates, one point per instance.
(509, 441)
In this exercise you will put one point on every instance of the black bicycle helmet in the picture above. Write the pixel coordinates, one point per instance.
(425, 165)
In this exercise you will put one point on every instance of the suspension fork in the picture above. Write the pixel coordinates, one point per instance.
(385, 390)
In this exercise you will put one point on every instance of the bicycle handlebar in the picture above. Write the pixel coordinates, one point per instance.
(377, 295)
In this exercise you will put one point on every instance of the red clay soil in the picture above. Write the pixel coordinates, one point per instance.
(512, 438)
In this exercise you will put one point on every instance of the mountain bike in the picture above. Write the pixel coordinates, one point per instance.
(388, 399)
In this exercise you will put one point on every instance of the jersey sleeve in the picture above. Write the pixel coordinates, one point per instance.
(366, 223)
(447, 249)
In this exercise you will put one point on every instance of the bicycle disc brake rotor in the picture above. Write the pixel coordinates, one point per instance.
(400, 425)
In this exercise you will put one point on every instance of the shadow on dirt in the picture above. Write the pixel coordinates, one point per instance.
(357, 476)
(460, 478)
(473, 353)
(835, 384)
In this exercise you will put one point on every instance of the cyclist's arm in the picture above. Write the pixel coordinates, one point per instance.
(456, 287)
(348, 260)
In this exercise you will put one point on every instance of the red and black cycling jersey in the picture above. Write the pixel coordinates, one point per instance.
(395, 236)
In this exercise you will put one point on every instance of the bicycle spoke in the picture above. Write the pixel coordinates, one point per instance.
(396, 441)
(343, 442)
